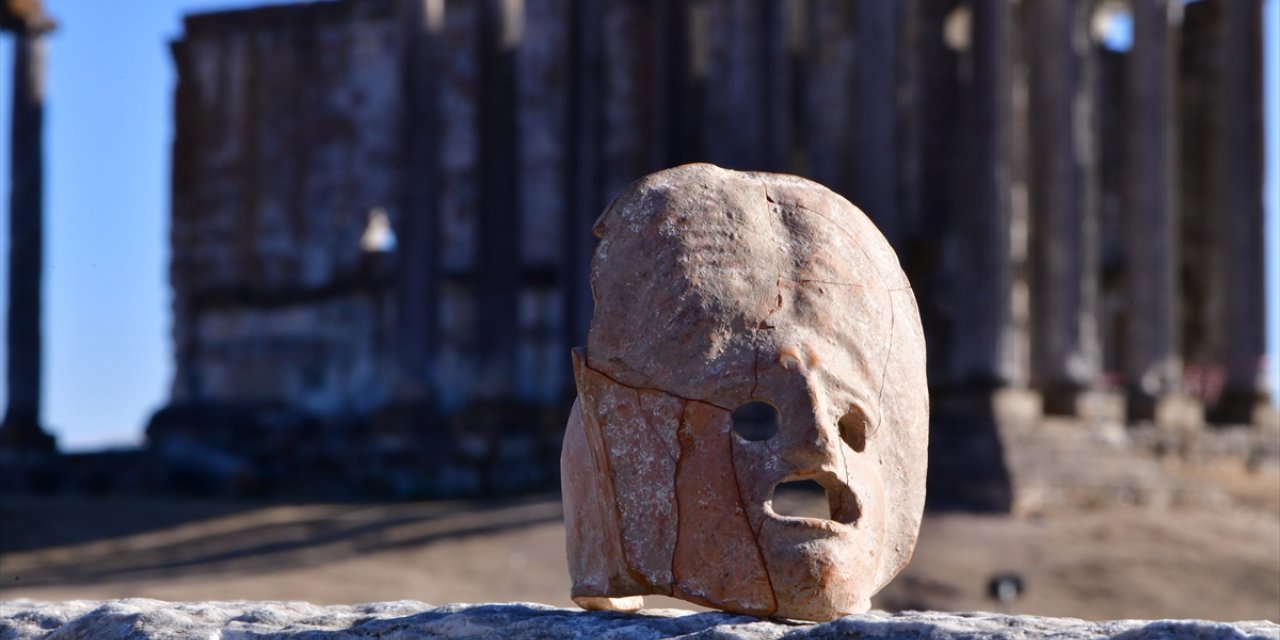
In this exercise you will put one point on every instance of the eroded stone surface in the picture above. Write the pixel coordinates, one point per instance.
(717, 288)
(139, 619)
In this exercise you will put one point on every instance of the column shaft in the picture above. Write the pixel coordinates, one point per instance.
(983, 349)
(1153, 366)
(876, 111)
(583, 192)
(1239, 182)
(418, 270)
(1066, 353)
(26, 245)
(735, 106)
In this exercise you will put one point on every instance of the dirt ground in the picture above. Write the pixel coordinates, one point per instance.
(1220, 562)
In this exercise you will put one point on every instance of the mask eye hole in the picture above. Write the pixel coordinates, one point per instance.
(756, 421)
(853, 430)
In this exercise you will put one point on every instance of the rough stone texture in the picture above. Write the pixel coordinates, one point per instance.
(274, 298)
(138, 619)
(715, 289)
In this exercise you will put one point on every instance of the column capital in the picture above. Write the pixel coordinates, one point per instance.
(25, 17)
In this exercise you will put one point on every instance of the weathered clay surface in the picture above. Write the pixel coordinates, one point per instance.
(139, 619)
(714, 289)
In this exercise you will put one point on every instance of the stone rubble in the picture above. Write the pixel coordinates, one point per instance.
(142, 619)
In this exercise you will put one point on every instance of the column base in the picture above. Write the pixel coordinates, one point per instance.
(1022, 406)
(1245, 407)
(968, 466)
(996, 450)
(1091, 405)
(25, 438)
(29, 461)
(1175, 411)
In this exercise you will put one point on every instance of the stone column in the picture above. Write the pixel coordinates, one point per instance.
(1066, 350)
(21, 430)
(830, 98)
(458, 169)
(736, 101)
(418, 270)
(1152, 363)
(542, 71)
(784, 40)
(630, 99)
(966, 258)
(984, 348)
(582, 174)
(681, 56)
(1238, 183)
(962, 248)
(498, 272)
(876, 111)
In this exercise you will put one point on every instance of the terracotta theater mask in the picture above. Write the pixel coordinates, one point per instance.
(724, 297)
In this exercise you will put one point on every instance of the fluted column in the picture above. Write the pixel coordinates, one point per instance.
(876, 113)
(584, 196)
(983, 351)
(735, 103)
(1238, 183)
(1066, 350)
(966, 253)
(418, 272)
(1152, 363)
(498, 251)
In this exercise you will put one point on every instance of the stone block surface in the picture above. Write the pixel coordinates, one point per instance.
(408, 620)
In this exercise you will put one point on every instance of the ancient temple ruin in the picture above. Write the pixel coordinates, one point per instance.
(382, 209)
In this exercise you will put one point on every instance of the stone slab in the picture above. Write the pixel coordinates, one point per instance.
(140, 619)
(1094, 406)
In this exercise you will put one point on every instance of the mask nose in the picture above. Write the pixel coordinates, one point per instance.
(813, 432)
(808, 441)
(807, 436)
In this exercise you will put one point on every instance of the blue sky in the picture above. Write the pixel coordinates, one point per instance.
(108, 128)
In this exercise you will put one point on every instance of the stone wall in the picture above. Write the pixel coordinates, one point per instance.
(287, 141)
(138, 619)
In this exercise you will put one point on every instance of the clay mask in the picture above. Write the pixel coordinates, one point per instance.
(723, 300)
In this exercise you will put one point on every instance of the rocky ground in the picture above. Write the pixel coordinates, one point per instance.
(1218, 561)
(139, 619)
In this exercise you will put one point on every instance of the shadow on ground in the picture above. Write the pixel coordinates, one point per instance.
(85, 541)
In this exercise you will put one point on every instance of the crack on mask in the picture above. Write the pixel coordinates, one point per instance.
(852, 238)
(587, 364)
(884, 372)
(836, 283)
(777, 306)
(755, 373)
(607, 464)
(755, 533)
(653, 431)
(755, 529)
(841, 445)
(675, 495)
(768, 446)
(893, 314)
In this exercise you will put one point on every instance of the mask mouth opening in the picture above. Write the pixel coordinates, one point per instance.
(822, 496)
